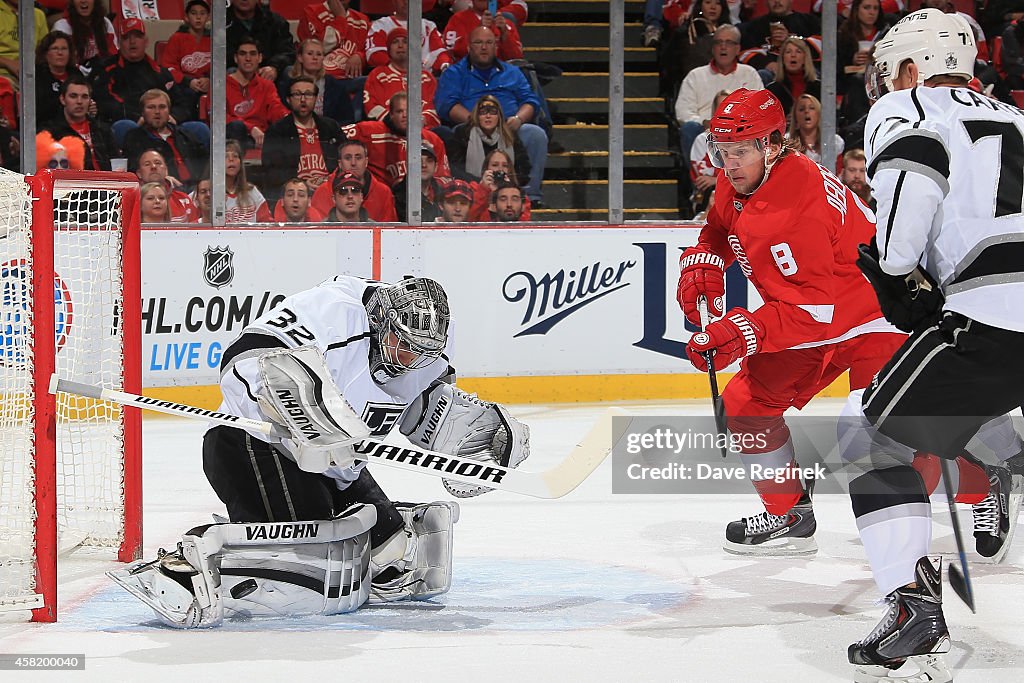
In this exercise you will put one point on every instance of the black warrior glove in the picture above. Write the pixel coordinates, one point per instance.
(907, 301)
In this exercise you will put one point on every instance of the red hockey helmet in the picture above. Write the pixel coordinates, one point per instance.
(748, 115)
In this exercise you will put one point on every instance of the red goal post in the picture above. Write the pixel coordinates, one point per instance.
(70, 470)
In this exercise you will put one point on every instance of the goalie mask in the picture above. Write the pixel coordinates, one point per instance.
(937, 43)
(409, 321)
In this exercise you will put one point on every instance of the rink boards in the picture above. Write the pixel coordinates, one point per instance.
(553, 313)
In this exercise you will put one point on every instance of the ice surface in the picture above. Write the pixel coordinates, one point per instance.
(593, 587)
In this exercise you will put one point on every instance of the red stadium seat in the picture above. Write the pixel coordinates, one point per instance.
(158, 50)
(1018, 97)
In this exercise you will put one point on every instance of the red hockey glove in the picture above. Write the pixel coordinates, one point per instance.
(701, 273)
(735, 336)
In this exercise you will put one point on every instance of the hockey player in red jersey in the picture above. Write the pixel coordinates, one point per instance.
(794, 229)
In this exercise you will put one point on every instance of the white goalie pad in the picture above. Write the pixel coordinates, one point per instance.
(298, 393)
(416, 563)
(260, 569)
(444, 418)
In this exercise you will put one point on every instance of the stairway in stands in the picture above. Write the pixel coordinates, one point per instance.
(574, 35)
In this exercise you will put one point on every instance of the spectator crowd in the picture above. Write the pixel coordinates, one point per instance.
(317, 116)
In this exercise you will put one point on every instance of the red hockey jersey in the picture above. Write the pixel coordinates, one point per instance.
(796, 239)
(342, 37)
(386, 150)
(456, 36)
(435, 55)
(385, 81)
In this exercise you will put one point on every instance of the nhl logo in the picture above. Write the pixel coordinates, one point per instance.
(218, 269)
(950, 60)
(736, 204)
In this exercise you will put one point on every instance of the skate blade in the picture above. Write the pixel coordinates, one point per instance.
(929, 668)
(790, 547)
(1016, 496)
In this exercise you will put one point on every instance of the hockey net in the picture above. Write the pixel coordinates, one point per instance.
(70, 470)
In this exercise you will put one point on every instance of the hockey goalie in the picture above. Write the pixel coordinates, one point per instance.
(309, 531)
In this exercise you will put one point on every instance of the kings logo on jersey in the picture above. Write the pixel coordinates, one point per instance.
(218, 266)
(15, 315)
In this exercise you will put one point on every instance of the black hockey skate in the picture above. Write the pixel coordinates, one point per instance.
(995, 518)
(767, 534)
(913, 629)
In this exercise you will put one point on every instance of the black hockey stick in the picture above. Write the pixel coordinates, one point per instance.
(716, 400)
(959, 577)
(393, 451)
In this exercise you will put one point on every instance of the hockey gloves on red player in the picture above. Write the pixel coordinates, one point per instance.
(735, 336)
(701, 273)
(907, 301)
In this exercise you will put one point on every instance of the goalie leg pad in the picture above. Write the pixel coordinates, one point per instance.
(298, 392)
(444, 418)
(416, 563)
(258, 570)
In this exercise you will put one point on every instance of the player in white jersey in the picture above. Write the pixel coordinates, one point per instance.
(309, 529)
(948, 267)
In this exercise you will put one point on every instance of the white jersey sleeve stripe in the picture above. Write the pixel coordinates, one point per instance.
(916, 150)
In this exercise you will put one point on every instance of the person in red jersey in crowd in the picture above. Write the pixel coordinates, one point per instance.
(819, 318)
(342, 31)
(384, 81)
(456, 33)
(386, 142)
(354, 158)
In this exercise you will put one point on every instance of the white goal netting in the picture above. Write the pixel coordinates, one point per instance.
(88, 437)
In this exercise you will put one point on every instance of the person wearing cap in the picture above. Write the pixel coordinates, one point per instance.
(354, 158)
(92, 34)
(249, 19)
(348, 200)
(120, 85)
(294, 206)
(393, 77)
(342, 31)
(386, 142)
(456, 199)
(302, 144)
(819, 320)
(187, 52)
(10, 64)
(457, 31)
(432, 189)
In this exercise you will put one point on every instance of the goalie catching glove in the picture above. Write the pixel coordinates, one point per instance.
(907, 301)
(299, 394)
(444, 418)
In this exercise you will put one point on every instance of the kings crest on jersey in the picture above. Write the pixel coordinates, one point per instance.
(333, 317)
(923, 147)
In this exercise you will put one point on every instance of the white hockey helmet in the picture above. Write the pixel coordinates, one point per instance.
(937, 43)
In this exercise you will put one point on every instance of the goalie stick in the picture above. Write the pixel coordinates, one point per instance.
(551, 483)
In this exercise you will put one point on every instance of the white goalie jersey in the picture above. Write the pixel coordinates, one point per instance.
(946, 166)
(332, 317)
